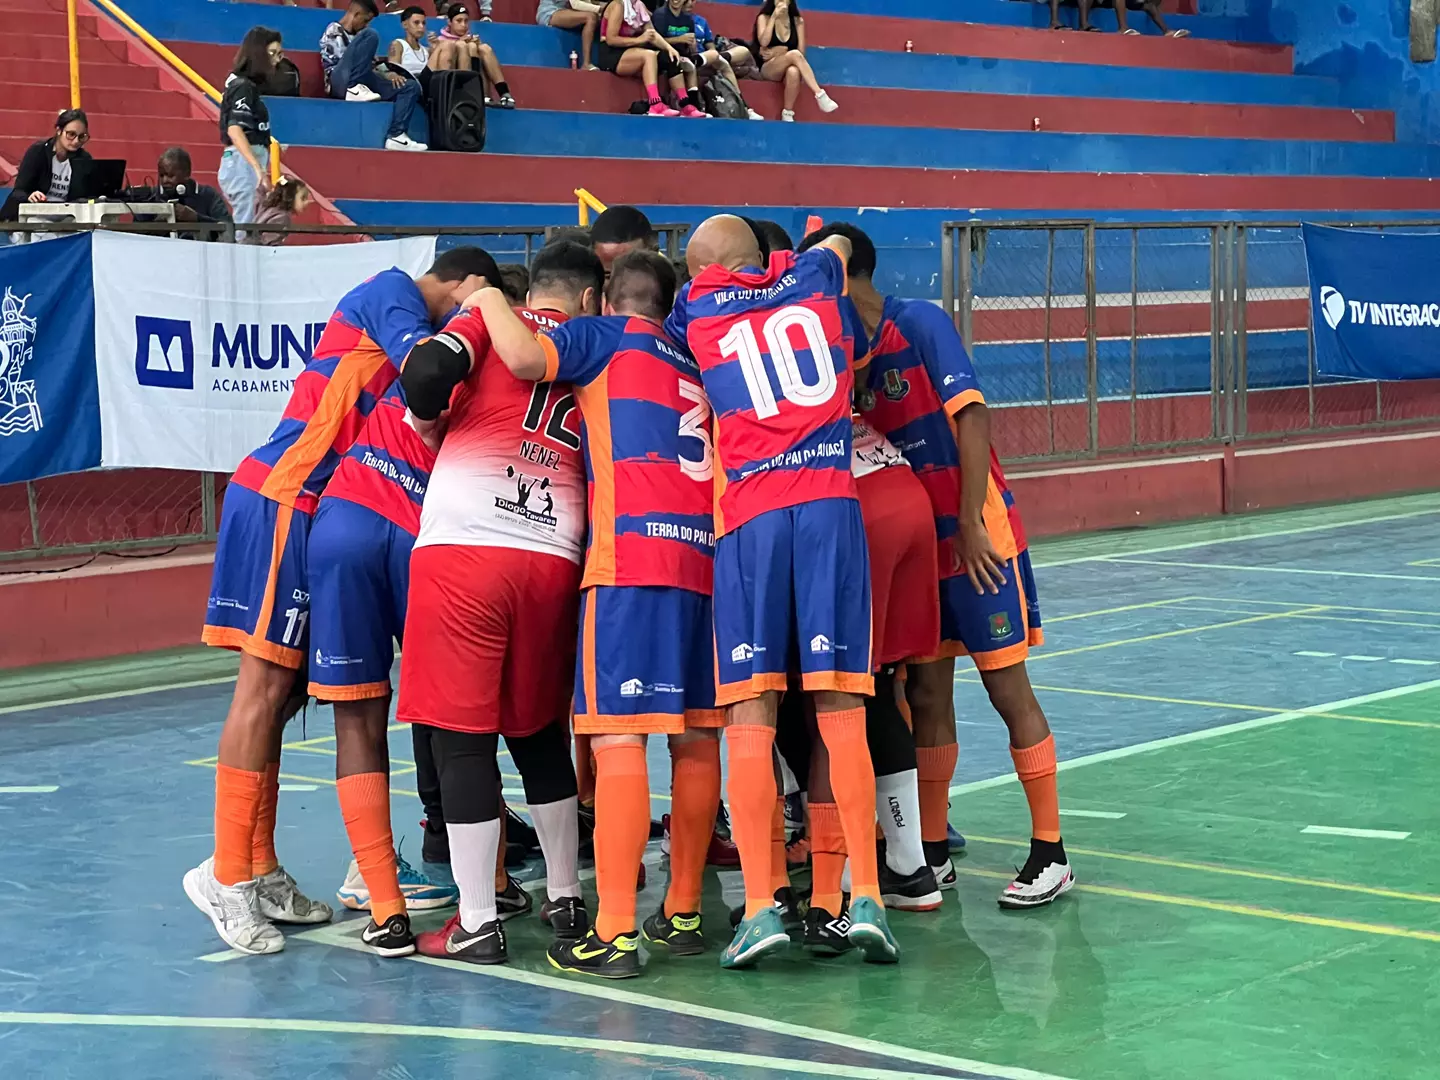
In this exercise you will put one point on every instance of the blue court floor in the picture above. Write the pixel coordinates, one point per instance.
(1155, 639)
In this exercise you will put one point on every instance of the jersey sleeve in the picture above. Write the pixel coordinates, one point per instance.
(855, 329)
(677, 325)
(828, 263)
(471, 328)
(577, 351)
(396, 320)
(943, 353)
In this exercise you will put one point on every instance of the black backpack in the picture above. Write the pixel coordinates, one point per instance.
(283, 81)
(456, 110)
(722, 99)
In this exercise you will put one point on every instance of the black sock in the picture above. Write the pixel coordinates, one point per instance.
(693, 98)
(502, 88)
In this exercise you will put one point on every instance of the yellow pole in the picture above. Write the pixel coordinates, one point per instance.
(588, 202)
(274, 161)
(74, 54)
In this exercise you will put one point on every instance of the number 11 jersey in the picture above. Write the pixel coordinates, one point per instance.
(776, 349)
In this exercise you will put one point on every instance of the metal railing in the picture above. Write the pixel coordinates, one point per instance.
(137, 510)
(1096, 338)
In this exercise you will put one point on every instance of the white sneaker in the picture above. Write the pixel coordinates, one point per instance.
(945, 876)
(234, 910)
(787, 115)
(1052, 882)
(359, 92)
(826, 102)
(403, 142)
(282, 901)
(753, 114)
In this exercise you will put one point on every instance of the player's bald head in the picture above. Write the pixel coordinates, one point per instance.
(724, 239)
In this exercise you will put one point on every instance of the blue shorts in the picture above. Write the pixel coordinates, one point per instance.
(994, 630)
(359, 580)
(259, 593)
(792, 590)
(645, 664)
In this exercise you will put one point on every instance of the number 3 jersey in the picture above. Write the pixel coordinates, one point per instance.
(646, 430)
(776, 349)
(509, 473)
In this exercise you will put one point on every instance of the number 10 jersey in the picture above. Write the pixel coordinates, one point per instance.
(776, 349)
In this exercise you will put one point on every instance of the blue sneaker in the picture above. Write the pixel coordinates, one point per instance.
(756, 938)
(421, 894)
(955, 841)
(870, 932)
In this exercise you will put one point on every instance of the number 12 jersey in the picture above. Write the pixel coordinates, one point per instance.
(776, 350)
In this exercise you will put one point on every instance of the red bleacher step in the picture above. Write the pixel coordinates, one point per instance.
(92, 76)
(92, 49)
(51, 98)
(118, 127)
(44, 22)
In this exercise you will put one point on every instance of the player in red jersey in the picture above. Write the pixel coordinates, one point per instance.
(494, 592)
(646, 654)
(260, 595)
(775, 347)
(922, 392)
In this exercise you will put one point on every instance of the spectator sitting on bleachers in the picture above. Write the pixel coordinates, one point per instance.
(416, 51)
(288, 198)
(1150, 7)
(467, 53)
(678, 26)
(561, 15)
(780, 38)
(630, 45)
(44, 172)
(175, 184)
(735, 53)
(348, 55)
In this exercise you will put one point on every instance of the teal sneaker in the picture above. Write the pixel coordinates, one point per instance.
(421, 894)
(755, 938)
(870, 932)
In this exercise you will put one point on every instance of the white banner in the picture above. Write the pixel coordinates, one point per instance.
(198, 345)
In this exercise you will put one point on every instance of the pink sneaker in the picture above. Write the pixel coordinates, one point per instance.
(692, 113)
(661, 109)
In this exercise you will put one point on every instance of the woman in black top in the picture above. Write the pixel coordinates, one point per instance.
(44, 173)
(780, 40)
(245, 125)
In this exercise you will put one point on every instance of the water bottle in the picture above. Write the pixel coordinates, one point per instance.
(574, 60)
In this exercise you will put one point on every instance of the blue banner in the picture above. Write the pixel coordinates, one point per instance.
(49, 396)
(1375, 303)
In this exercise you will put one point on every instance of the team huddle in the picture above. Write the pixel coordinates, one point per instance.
(762, 504)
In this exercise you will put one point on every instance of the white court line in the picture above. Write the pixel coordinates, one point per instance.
(29, 789)
(1206, 733)
(1307, 652)
(1269, 569)
(1417, 663)
(465, 1034)
(1366, 659)
(345, 936)
(1363, 834)
(299, 787)
(84, 698)
(1108, 815)
(222, 956)
(1189, 544)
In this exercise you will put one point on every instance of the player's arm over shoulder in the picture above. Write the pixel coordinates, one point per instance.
(511, 338)
(931, 331)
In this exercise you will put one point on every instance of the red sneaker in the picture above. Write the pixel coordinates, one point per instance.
(453, 942)
(722, 852)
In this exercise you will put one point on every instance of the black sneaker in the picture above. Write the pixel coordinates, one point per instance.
(436, 846)
(909, 892)
(392, 939)
(618, 959)
(566, 916)
(787, 904)
(680, 933)
(825, 934)
(454, 942)
(513, 900)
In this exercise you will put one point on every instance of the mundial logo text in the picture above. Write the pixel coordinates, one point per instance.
(1336, 309)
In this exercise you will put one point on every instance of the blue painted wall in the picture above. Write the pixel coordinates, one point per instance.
(1364, 42)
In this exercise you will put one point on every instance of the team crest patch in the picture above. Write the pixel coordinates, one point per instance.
(19, 406)
(896, 385)
(1000, 626)
(865, 399)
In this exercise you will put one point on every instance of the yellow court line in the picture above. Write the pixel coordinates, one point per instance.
(331, 753)
(1269, 617)
(1236, 909)
(1294, 604)
(1229, 871)
(1127, 607)
(1424, 562)
(331, 738)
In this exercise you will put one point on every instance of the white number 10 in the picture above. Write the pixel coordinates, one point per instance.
(742, 344)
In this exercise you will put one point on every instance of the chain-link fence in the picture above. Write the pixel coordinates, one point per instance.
(139, 510)
(1092, 338)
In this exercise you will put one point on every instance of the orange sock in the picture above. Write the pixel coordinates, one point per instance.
(827, 856)
(584, 770)
(622, 828)
(365, 807)
(752, 803)
(779, 870)
(237, 802)
(935, 768)
(694, 798)
(1035, 765)
(262, 847)
(852, 779)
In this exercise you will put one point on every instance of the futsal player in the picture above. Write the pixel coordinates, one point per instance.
(645, 659)
(775, 346)
(923, 394)
(494, 594)
(259, 599)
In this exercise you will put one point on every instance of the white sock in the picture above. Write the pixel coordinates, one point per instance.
(558, 827)
(473, 850)
(897, 803)
(791, 784)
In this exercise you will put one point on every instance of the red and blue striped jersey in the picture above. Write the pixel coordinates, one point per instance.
(776, 349)
(645, 430)
(388, 467)
(920, 378)
(356, 359)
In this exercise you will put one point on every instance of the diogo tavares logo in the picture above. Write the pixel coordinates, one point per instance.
(164, 353)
